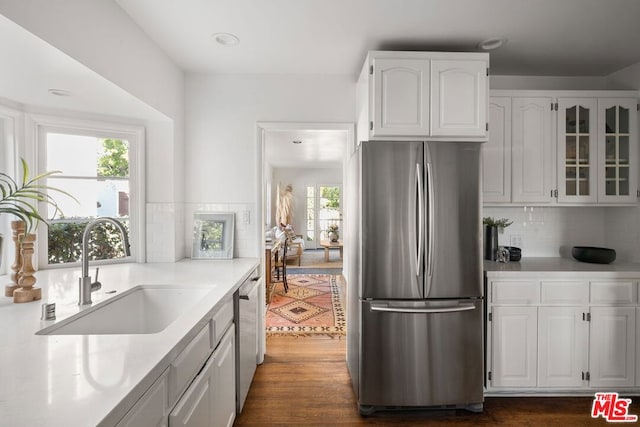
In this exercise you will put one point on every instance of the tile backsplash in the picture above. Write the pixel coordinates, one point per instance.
(552, 231)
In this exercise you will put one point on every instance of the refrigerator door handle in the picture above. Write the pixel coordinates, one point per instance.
(430, 227)
(419, 237)
(390, 308)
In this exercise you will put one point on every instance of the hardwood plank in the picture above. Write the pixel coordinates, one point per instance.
(304, 381)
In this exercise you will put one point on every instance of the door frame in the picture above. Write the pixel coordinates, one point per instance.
(261, 128)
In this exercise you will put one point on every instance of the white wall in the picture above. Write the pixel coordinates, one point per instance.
(100, 35)
(222, 154)
(300, 178)
(550, 83)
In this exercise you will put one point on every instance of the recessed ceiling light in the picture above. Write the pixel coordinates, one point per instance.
(226, 39)
(59, 92)
(297, 142)
(492, 44)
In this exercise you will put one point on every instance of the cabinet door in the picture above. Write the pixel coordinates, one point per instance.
(458, 98)
(224, 391)
(612, 346)
(400, 97)
(532, 168)
(152, 408)
(195, 406)
(577, 150)
(562, 344)
(617, 151)
(514, 346)
(496, 153)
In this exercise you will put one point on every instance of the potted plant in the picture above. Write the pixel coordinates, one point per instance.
(20, 198)
(492, 227)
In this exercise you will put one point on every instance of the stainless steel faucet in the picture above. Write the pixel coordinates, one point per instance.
(85, 285)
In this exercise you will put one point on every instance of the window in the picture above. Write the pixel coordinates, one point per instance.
(100, 167)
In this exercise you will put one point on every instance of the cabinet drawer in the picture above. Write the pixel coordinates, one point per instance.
(614, 292)
(222, 318)
(188, 363)
(564, 293)
(515, 292)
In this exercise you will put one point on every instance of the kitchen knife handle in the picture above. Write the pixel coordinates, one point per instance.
(420, 235)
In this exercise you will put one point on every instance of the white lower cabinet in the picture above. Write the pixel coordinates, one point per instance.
(563, 336)
(199, 387)
(152, 409)
(207, 401)
(514, 346)
(612, 346)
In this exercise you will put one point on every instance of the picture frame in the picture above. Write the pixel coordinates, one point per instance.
(213, 235)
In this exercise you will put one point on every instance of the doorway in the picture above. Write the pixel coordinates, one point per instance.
(310, 160)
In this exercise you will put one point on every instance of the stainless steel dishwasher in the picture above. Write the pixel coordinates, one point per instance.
(248, 303)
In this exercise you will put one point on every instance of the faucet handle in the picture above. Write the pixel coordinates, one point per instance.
(97, 271)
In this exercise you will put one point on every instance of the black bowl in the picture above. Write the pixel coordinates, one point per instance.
(515, 253)
(593, 254)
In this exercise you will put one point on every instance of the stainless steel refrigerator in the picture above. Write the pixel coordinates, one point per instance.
(414, 274)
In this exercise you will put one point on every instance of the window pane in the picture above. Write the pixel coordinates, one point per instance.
(570, 121)
(72, 154)
(610, 149)
(583, 120)
(65, 241)
(571, 150)
(623, 120)
(623, 150)
(584, 150)
(610, 120)
(95, 198)
(624, 181)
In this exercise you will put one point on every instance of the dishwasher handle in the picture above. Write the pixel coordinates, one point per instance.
(445, 309)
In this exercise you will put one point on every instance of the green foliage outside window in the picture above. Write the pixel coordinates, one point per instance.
(115, 160)
(332, 195)
(65, 242)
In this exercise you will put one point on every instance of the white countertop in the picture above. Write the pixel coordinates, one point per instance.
(561, 267)
(69, 380)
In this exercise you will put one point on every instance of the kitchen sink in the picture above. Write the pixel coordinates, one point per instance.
(144, 309)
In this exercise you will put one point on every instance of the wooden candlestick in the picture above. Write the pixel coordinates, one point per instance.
(18, 228)
(26, 292)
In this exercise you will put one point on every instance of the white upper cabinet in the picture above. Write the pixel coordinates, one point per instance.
(496, 153)
(401, 97)
(577, 150)
(532, 150)
(617, 150)
(423, 95)
(564, 147)
(458, 98)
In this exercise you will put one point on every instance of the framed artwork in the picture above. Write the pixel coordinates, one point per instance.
(213, 235)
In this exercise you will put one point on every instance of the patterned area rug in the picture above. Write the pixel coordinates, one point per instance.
(313, 305)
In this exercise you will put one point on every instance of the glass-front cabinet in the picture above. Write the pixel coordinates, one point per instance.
(617, 151)
(577, 150)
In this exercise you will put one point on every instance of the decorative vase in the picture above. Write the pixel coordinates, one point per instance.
(18, 228)
(490, 242)
(333, 236)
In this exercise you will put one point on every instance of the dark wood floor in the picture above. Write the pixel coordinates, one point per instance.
(304, 382)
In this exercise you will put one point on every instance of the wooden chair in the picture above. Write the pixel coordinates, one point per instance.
(294, 251)
(279, 266)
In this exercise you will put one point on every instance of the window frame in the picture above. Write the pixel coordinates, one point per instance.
(135, 135)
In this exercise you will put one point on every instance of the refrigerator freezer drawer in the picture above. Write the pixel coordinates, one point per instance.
(423, 353)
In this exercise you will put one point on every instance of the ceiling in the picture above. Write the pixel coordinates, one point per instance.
(545, 37)
(318, 148)
(31, 67)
